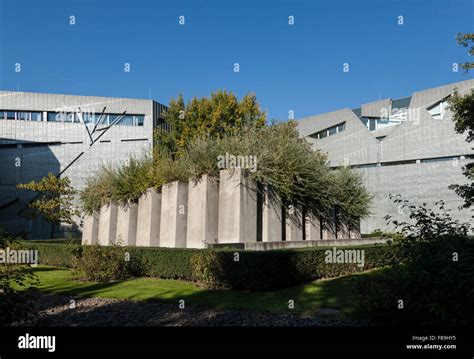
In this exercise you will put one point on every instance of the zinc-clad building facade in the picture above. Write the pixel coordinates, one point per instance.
(404, 146)
(42, 133)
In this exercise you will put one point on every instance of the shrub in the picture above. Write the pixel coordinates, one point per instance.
(16, 303)
(54, 254)
(435, 291)
(257, 271)
(98, 190)
(102, 264)
(436, 279)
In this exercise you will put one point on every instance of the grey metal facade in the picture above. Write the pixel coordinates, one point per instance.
(30, 149)
(419, 157)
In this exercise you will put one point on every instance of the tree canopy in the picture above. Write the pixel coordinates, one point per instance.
(54, 200)
(219, 115)
(463, 117)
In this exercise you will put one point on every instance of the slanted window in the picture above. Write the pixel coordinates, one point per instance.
(438, 110)
(329, 131)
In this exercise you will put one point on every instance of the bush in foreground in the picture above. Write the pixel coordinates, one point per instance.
(238, 269)
(434, 284)
(16, 304)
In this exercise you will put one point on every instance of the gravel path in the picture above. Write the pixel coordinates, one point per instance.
(55, 311)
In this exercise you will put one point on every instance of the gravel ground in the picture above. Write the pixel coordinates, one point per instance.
(55, 311)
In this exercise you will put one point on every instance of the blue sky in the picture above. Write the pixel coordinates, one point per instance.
(296, 68)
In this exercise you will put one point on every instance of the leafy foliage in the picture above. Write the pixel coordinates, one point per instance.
(427, 224)
(286, 163)
(103, 264)
(463, 116)
(16, 303)
(55, 199)
(221, 114)
(436, 278)
(463, 113)
(467, 40)
(98, 190)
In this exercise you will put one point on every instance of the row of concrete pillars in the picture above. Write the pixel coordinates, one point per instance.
(199, 213)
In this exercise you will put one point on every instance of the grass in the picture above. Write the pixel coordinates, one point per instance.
(328, 293)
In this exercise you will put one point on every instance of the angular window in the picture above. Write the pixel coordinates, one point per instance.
(372, 125)
(10, 115)
(438, 110)
(327, 132)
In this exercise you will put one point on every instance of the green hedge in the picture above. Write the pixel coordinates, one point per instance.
(254, 270)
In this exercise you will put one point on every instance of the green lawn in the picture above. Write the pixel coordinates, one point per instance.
(331, 293)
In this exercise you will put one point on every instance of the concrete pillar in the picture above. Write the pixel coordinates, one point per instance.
(148, 219)
(354, 231)
(342, 228)
(312, 228)
(329, 228)
(127, 224)
(237, 207)
(107, 225)
(203, 211)
(294, 223)
(90, 229)
(174, 214)
(271, 218)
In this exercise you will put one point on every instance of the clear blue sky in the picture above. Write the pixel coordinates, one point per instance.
(295, 68)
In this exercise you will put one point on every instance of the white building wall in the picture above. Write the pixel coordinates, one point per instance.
(418, 139)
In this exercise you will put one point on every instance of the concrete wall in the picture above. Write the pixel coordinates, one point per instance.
(174, 215)
(127, 225)
(237, 208)
(329, 226)
(271, 218)
(149, 219)
(294, 223)
(203, 212)
(265, 246)
(90, 229)
(107, 225)
(354, 231)
(342, 229)
(313, 228)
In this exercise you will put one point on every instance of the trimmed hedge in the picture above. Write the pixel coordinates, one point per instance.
(254, 270)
